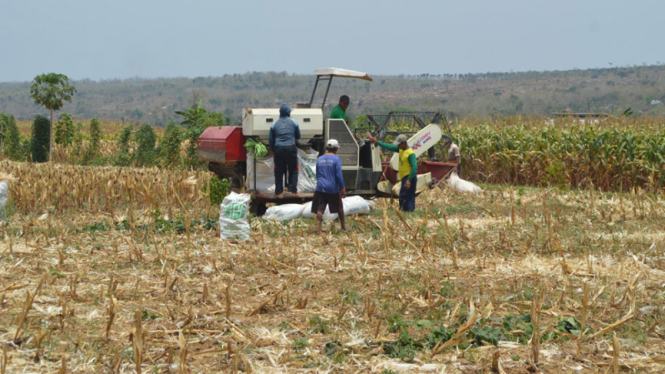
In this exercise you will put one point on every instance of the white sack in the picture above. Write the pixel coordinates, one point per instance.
(460, 185)
(284, 212)
(233, 217)
(355, 205)
(351, 205)
(327, 216)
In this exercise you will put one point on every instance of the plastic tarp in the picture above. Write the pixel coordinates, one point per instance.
(233, 217)
(265, 175)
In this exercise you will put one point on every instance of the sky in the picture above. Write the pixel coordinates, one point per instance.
(119, 39)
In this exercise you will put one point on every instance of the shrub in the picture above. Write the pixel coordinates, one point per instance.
(65, 131)
(95, 137)
(169, 148)
(11, 138)
(124, 158)
(145, 145)
(41, 135)
(218, 188)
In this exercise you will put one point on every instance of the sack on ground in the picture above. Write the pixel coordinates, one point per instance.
(355, 205)
(284, 212)
(327, 216)
(460, 185)
(351, 205)
(233, 217)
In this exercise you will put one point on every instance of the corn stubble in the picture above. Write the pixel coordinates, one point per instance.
(103, 265)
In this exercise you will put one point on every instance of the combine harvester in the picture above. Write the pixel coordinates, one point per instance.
(363, 171)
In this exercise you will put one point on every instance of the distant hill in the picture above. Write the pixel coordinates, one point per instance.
(154, 101)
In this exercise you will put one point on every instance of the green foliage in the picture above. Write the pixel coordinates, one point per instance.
(404, 347)
(51, 91)
(318, 325)
(195, 121)
(95, 137)
(555, 175)
(11, 138)
(218, 189)
(300, 343)
(169, 147)
(570, 325)
(256, 147)
(65, 132)
(92, 151)
(39, 143)
(145, 145)
(125, 136)
(77, 152)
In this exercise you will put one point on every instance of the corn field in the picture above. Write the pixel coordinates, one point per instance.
(614, 155)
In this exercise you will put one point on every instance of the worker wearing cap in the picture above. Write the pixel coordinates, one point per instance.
(408, 166)
(329, 185)
(282, 137)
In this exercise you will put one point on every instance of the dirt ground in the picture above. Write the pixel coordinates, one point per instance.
(462, 285)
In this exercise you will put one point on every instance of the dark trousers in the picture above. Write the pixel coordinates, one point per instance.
(407, 196)
(286, 159)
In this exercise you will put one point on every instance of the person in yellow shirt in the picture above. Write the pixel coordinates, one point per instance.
(408, 167)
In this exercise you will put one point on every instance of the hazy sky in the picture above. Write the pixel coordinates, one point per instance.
(163, 38)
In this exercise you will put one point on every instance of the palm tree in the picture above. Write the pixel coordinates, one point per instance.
(51, 90)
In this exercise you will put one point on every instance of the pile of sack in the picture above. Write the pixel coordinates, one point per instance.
(352, 205)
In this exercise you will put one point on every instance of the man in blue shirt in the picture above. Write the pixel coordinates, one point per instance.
(283, 136)
(329, 185)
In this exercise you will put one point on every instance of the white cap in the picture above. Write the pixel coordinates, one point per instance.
(332, 143)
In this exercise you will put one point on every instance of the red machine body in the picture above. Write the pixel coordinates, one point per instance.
(222, 144)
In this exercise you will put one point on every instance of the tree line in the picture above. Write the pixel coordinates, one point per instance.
(155, 101)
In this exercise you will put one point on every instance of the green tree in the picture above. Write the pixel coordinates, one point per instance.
(77, 152)
(64, 130)
(95, 138)
(195, 120)
(169, 148)
(125, 136)
(145, 145)
(11, 146)
(41, 136)
(50, 91)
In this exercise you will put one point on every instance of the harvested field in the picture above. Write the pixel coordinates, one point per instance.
(119, 270)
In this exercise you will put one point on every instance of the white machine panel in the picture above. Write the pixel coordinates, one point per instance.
(257, 122)
(420, 142)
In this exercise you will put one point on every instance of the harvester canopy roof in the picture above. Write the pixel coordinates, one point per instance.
(344, 73)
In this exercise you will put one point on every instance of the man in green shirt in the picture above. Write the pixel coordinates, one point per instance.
(408, 167)
(339, 111)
